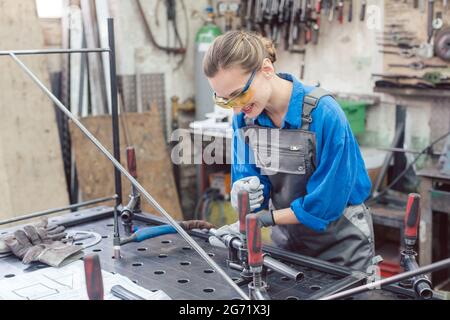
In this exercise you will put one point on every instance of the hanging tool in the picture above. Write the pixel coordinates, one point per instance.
(341, 11)
(430, 17)
(431, 77)
(424, 51)
(257, 288)
(350, 11)
(417, 65)
(93, 276)
(180, 48)
(244, 210)
(421, 284)
(362, 10)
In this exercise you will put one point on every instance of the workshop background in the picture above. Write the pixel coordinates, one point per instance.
(387, 62)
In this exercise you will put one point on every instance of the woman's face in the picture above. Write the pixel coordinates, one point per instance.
(227, 83)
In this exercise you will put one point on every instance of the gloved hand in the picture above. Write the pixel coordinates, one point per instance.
(41, 242)
(196, 224)
(255, 192)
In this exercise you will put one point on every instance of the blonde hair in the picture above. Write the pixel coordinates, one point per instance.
(238, 48)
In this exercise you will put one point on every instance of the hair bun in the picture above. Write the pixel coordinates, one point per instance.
(270, 48)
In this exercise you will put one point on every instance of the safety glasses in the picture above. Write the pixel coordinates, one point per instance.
(240, 99)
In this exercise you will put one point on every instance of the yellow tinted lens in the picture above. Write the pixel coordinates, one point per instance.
(243, 99)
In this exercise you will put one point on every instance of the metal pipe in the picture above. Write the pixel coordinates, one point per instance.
(402, 276)
(114, 109)
(133, 181)
(50, 51)
(282, 268)
(50, 211)
(421, 284)
(269, 262)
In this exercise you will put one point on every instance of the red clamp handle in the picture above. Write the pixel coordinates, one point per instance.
(131, 161)
(254, 245)
(412, 217)
(244, 210)
(93, 275)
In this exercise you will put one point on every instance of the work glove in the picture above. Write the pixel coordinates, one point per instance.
(265, 219)
(196, 224)
(255, 192)
(42, 242)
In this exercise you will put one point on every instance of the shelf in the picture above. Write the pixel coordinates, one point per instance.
(426, 93)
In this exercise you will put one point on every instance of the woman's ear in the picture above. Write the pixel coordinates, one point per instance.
(267, 67)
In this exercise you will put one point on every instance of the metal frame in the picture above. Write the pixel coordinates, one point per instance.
(119, 169)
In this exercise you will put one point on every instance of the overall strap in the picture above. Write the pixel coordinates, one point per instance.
(310, 102)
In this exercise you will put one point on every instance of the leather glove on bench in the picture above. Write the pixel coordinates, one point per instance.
(42, 242)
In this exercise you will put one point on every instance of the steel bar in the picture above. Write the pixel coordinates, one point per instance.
(50, 51)
(50, 211)
(133, 181)
(402, 276)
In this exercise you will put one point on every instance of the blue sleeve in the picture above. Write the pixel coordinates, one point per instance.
(243, 163)
(330, 186)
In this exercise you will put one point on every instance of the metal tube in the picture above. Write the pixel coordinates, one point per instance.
(269, 262)
(402, 276)
(50, 211)
(133, 181)
(282, 268)
(114, 109)
(50, 51)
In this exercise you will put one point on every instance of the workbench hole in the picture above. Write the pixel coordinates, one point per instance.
(135, 281)
(154, 290)
(185, 263)
(79, 243)
(236, 298)
(235, 279)
(292, 298)
(4, 232)
(208, 271)
(183, 281)
(10, 275)
(97, 250)
(77, 215)
(315, 287)
(187, 248)
(209, 290)
(104, 237)
(166, 241)
(159, 272)
(137, 264)
(142, 249)
(285, 278)
(211, 254)
(162, 255)
(110, 225)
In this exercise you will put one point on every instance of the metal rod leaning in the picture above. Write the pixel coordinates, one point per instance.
(402, 276)
(51, 51)
(133, 181)
(50, 211)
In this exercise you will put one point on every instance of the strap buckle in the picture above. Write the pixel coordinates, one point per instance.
(307, 118)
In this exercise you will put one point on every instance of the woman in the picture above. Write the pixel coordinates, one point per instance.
(315, 190)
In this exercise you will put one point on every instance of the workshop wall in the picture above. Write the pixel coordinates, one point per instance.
(31, 167)
(342, 61)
